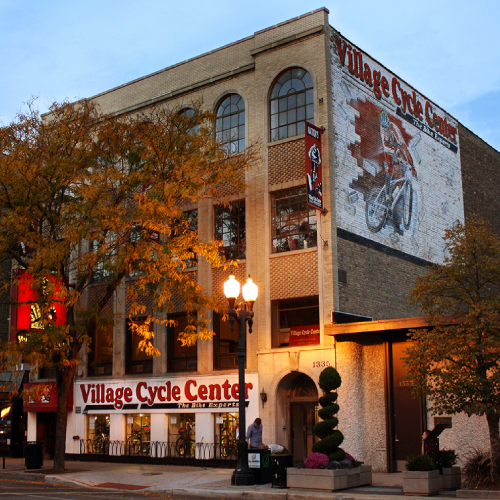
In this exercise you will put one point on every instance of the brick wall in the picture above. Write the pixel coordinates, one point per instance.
(377, 282)
(480, 178)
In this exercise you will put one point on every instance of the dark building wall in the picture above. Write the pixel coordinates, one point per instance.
(480, 178)
(377, 279)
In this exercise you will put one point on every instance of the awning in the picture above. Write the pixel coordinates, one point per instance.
(47, 401)
(11, 381)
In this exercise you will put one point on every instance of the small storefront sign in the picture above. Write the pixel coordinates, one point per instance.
(254, 460)
(304, 335)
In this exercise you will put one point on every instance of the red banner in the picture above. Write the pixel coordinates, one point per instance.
(304, 335)
(29, 312)
(314, 171)
(47, 401)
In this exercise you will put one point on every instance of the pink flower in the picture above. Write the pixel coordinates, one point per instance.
(315, 460)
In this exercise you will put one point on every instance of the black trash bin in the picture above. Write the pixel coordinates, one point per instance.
(33, 455)
(259, 462)
(279, 463)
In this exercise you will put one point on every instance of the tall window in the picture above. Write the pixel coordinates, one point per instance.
(230, 229)
(225, 344)
(293, 220)
(292, 103)
(138, 361)
(101, 352)
(231, 123)
(180, 358)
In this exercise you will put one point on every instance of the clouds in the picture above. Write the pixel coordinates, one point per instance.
(57, 50)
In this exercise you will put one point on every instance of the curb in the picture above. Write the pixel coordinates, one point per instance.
(478, 494)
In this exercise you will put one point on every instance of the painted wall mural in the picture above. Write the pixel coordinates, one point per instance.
(398, 177)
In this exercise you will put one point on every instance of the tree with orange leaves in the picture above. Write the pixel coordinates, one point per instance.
(85, 196)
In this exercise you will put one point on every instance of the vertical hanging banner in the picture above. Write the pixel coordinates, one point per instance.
(314, 171)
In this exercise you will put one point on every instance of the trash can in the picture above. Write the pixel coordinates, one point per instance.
(279, 463)
(259, 462)
(33, 455)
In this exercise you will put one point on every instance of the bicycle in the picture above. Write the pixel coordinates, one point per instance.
(184, 446)
(100, 443)
(381, 201)
(228, 446)
(136, 443)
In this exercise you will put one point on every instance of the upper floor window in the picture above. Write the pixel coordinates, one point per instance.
(181, 358)
(293, 220)
(231, 123)
(230, 228)
(292, 103)
(137, 359)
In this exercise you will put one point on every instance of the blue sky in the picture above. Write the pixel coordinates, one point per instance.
(54, 50)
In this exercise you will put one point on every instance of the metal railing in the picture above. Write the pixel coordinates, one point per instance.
(179, 451)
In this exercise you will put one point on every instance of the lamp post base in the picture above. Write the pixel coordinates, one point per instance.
(242, 478)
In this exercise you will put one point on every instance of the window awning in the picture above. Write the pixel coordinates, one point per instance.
(11, 380)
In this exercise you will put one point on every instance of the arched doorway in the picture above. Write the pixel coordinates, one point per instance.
(299, 395)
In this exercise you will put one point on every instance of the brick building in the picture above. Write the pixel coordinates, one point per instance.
(397, 170)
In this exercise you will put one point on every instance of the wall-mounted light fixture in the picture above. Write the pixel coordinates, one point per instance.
(263, 397)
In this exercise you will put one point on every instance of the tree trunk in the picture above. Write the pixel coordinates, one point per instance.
(64, 379)
(493, 419)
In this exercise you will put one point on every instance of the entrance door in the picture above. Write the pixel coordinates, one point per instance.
(408, 411)
(46, 432)
(302, 421)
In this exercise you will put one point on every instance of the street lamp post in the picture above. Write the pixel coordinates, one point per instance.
(242, 475)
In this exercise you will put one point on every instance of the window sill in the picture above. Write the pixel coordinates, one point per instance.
(302, 250)
(288, 139)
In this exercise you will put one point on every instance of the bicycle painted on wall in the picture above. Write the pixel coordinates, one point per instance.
(395, 196)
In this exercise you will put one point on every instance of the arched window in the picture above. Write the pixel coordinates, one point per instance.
(292, 103)
(231, 123)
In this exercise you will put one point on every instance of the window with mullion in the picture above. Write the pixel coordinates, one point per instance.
(230, 123)
(293, 221)
(291, 103)
(230, 229)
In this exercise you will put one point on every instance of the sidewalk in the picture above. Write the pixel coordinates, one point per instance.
(192, 482)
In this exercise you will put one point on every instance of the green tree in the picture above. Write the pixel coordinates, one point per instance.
(330, 438)
(85, 196)
(456, 361)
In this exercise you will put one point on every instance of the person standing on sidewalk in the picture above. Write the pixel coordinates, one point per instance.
(254, 433)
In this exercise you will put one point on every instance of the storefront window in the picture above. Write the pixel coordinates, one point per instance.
(181, 431)
(227, 433)
(138, 434)
(5, 421)
(98, 433)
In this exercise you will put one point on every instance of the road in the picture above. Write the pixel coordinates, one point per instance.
(10, 489)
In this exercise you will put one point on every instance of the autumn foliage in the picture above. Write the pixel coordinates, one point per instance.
(456, 361)
(87, 197)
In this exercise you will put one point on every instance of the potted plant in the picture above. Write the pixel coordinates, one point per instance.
(451, 477)
(421, 476)
(328, 467)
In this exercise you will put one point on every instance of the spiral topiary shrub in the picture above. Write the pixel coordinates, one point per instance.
(330, 438)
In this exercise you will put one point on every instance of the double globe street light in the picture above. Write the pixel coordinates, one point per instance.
(242, 475)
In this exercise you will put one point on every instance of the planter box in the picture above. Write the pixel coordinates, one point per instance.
(327, 479)
(421, 483)
(451, 478)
